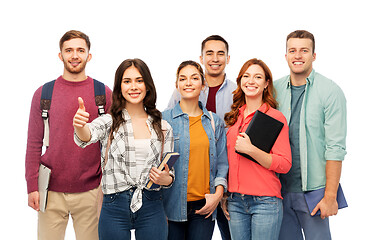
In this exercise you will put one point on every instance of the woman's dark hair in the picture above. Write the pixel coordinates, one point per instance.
(119, 102)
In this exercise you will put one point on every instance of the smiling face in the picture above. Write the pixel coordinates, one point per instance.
(75, 54)
(300, 56)
(133, 86)
(189, 82)
(214, 58)
(253, 82)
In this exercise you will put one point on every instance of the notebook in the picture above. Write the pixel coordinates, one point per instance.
(313, 198)
(169, 158)
(44, 175)
(263, 131)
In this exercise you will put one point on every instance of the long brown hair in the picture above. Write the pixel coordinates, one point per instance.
(119, 102)
(239, 96)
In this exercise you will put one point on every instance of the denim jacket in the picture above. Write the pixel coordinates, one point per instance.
(175, 198)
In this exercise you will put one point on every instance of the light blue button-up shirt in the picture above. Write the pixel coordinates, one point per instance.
(323, 125)
(175, 198)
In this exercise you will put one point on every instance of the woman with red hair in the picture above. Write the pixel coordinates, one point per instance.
(254, 203)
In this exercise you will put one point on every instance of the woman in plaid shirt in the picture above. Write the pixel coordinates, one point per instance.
(132, 134)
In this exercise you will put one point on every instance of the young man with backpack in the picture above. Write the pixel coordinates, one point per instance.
(73, 188)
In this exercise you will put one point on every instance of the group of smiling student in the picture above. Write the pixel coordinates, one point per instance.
(205, 122)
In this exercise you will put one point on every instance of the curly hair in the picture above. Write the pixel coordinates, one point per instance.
(239, 96)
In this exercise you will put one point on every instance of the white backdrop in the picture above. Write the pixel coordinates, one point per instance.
(163, 34)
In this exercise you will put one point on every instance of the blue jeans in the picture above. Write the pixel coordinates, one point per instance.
(297, 218)
(223, 224)
(254, 217)
(117, 220)
(197, 226)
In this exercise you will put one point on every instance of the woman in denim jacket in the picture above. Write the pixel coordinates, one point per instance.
(200, 172)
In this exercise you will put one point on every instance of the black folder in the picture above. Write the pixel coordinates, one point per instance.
(263, 131)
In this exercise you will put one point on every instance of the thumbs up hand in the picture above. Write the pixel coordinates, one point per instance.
(81, 117)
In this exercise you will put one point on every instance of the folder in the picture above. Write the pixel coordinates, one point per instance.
(169, 158)
(312, 198)
(44, 175)
(263, 131)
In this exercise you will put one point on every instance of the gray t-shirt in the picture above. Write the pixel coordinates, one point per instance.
(291, 182)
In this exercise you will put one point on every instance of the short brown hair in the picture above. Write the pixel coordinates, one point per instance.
(302, 34)
(215, 38)
(74, 34)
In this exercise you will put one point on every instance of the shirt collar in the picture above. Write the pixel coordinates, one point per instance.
(205, 89)
(309, 79)
(177, 110)
(263, 108)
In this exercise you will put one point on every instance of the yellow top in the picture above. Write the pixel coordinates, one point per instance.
(199, 162)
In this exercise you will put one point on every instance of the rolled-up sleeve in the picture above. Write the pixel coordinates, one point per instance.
(221, 150)
(335, 125)
(281, 150)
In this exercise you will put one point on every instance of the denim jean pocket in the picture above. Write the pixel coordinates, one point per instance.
(109, 198)
(152, 195)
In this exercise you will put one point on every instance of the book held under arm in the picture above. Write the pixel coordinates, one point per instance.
(44, 175)
(169, 158)
(263, 131)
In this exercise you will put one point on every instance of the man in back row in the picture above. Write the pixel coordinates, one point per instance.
(217, 96)
(315, 108)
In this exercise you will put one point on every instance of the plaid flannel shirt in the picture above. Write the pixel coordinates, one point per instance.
(120, 172)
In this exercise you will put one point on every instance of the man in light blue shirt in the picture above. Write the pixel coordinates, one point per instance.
(217, 96)
(315, 108)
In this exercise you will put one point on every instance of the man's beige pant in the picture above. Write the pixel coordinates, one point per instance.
(81, 206)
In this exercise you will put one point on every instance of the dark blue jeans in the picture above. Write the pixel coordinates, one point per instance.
(223, 224)
(117, 220)
(197, 226)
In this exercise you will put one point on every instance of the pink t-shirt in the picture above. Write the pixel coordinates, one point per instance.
(248, 177)
(73, 169)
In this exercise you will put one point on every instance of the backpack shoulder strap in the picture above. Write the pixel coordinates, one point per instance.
(46, 97)
(212, 121)
(99, 95)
